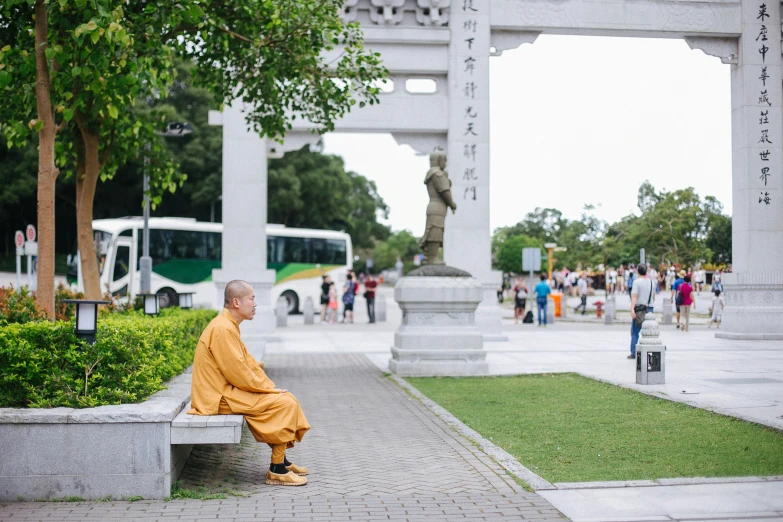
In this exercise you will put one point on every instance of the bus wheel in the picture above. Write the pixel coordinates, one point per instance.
(293, 301)
(167, 297)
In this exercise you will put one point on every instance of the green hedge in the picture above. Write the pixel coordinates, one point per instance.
(44, 365)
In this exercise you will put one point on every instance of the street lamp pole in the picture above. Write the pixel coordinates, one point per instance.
(145, 263)
(174, 129)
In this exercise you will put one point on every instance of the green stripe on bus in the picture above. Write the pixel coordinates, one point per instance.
(191, 271)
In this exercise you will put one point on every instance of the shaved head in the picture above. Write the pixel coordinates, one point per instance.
(236, 289)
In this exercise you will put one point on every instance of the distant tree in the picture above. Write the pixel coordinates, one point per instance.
(719, 239)
(509, 252)
(399, 245)
(72, 70)
(313, 190)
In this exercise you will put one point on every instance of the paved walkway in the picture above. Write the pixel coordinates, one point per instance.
(374, 454)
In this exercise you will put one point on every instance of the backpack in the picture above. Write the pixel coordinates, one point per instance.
(349, 294)
(528, 318)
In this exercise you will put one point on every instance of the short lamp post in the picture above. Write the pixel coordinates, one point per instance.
(86, 318)
(151, 304)
(186, 300)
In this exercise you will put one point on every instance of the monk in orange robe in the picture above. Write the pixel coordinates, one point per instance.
(228, 380)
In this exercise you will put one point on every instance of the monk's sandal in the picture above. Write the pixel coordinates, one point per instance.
(289, 479)
(299, 470)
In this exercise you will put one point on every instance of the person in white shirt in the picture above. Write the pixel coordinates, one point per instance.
(641, 294)
(582, 286)
(611, 281)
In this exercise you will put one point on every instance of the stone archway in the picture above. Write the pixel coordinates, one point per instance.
(451, 42)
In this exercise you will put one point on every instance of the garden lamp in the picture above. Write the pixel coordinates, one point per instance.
(186, 300)
(151, 304)
(86, 318)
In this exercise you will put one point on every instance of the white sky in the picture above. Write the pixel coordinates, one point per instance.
(578, 120)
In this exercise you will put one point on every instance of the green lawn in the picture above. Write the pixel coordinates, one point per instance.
(568, 428)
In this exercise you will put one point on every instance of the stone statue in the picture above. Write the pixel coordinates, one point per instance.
(439, 189)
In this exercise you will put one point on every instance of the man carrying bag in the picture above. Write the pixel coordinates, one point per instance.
(641, 304)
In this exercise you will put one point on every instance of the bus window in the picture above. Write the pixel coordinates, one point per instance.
(102, 240)
(336, 252)
(184, 256)
(121, 262)
(294, 249)
(318, 251)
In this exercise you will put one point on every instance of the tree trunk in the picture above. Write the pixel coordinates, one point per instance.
(47, 172)
(87, 174)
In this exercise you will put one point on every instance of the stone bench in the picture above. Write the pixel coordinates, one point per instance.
(206, 429)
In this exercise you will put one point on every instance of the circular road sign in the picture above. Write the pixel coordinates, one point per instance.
(30, 233)
(19, 239)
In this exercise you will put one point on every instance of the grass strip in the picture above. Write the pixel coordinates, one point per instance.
(568, 428)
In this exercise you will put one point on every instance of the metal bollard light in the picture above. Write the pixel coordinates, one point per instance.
(308, 310)
(281, 311)
(550, 311)
(380, 309)
(650, 354)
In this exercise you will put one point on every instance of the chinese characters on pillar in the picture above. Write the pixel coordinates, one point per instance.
(764, 143)
(468, 75)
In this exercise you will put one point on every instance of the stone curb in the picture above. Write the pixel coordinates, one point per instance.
(162, 406)
(502, 457)
(666, 482)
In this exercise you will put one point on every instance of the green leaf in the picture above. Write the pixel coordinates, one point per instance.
(113, 111)
(5, 78)
(68, 114)
(95, 36)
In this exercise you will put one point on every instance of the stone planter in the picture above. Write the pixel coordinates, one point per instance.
(93, 453)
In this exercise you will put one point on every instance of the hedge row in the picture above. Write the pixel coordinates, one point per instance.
(44, 365)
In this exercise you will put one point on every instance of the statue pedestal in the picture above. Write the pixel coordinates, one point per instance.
(438, 334)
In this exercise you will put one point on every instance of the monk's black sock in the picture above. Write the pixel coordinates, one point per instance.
(285, 461)
(278, 468)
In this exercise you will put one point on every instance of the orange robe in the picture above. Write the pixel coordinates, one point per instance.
(224, 371)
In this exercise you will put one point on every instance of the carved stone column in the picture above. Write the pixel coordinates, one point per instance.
(467, 241)
(244, 223)
(754, 291)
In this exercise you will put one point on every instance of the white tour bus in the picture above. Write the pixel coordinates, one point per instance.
(184, 252)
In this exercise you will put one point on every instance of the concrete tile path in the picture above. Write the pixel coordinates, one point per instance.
(374, 453)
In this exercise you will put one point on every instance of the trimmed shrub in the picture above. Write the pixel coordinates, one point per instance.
(19, 306)
(44, 365)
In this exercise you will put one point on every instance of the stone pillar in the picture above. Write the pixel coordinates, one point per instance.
(754, 291)
(244, 223)
(467, 241)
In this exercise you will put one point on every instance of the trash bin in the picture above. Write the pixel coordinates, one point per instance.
(557, 298)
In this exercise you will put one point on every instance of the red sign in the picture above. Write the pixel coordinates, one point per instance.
(30, 232)
(19, 239)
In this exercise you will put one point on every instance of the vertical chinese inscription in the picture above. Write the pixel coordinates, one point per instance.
(765, 147)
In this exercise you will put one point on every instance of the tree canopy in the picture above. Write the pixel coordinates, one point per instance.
(71, 70)
(675, 227)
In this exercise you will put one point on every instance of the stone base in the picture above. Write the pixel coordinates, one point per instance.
(754, 306)
(488, 314)
(650, 354)
(438, 334)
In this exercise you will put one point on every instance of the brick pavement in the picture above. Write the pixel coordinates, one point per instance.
(374, 453)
